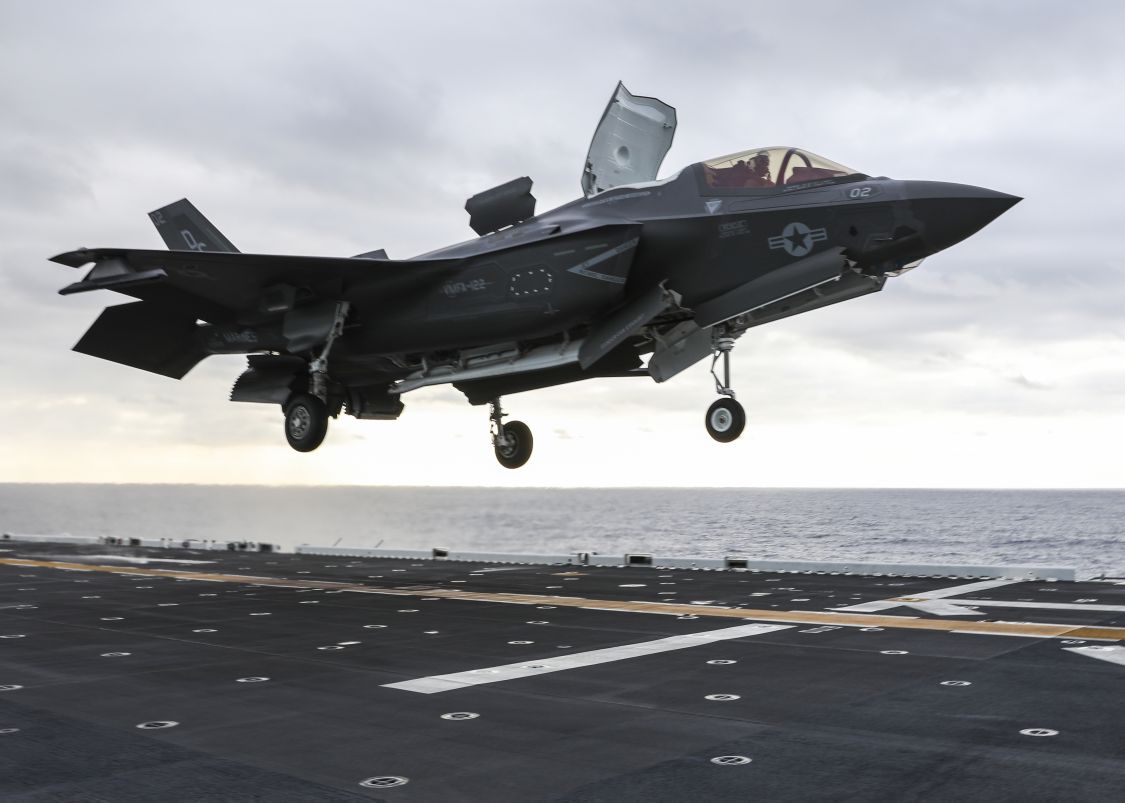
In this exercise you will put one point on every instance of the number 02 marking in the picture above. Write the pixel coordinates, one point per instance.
(859, 192)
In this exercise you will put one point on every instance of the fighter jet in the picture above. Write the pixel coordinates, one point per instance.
(640, 277)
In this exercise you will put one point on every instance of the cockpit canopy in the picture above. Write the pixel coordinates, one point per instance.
(771, 167)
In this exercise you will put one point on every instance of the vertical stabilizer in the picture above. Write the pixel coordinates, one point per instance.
(184, 228)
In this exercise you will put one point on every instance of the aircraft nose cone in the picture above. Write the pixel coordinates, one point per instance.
(951, 212)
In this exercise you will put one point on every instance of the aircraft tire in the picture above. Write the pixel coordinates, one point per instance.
(306, 422)
(518, 449)
(725, 420)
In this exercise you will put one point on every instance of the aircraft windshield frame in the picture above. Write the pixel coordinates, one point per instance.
(771, 169)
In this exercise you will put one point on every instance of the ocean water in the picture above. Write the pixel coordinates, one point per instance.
(1083, 529)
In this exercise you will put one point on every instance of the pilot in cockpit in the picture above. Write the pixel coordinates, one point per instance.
(751, 172)
(758, 171)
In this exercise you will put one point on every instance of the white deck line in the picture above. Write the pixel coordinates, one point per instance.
(938, 593)
(558, 663)
(126, 559)
(968, 588)
(941, 607)
(1113, 654)
(1060, 606)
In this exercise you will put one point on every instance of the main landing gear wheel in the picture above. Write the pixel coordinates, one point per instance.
(512, 442)
(725, 420)
(513, 446)
(306, 422)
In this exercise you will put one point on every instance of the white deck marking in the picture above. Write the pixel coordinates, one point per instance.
(941, 607)
(1114, 654)
(129, 559)
(1002, 633)
(1060, 606)
(925, 596)
(557, 663)
(963, 607)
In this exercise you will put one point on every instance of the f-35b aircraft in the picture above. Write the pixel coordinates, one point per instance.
(677, 269)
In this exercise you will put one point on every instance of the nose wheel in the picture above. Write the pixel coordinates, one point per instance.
(725, 418)
(512, 442)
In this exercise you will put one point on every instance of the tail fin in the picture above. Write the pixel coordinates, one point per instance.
(184, 228)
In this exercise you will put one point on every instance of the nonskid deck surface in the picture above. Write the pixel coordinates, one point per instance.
(294, 677)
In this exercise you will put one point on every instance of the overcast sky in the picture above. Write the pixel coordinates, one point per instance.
(340, 127)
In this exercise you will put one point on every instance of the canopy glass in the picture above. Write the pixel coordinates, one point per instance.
(771, 167)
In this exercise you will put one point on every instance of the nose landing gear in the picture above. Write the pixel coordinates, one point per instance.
(725, 418)
(512, 442)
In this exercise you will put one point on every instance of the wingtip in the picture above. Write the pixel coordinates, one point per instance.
(74, 259)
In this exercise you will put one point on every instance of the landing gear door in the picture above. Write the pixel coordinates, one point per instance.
(629, 143)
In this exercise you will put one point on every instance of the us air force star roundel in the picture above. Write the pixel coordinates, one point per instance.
(797, 239)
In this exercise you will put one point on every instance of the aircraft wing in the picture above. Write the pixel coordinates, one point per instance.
(214, 286)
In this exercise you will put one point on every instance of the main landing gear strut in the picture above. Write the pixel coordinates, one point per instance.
(725, 418)
(306, 414)
(512, 441)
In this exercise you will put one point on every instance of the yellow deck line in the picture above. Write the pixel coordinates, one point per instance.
(1031, 629)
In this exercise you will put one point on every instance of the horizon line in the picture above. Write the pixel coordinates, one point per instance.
(584, 487)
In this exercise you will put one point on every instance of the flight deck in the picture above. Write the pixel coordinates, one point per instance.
(137, 673)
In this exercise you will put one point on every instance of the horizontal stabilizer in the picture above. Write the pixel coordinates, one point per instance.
(144, 335)
(774, 286)
(183, 228)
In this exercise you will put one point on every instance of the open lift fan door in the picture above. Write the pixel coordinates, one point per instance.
(630, 142)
